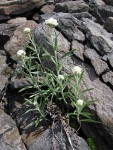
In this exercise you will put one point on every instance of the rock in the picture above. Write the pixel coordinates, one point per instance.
(19, 83)
(79, 49)
(70, 16)
(18, 40)
(72, 6)
(110, 59)
(70, 30)
(108, 78)
(7, 29)
(99, 65)
(99, 38)
(47, 9)
(101, 110)
(109, 24)
(9, 134)
(11, 7)
(3, 76)
(55, 138)
(101, 12)
(109, 2)
(105, 11)
(99, 2)
(4, 17)
(41, 33)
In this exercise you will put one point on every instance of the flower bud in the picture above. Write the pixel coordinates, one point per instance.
(80, 102)
(77, 70)
(21, 54)
(27, 30)
(61, 77)
(51, 22)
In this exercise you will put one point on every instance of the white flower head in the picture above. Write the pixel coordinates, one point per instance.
(80, 102)
(51, 22)
(21, 54)
(27, 30)
(60, 77)
(77, 70)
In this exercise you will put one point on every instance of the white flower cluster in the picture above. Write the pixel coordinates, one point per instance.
(51, 22)
(60, 77)
(27, 30)
(80, 102)
(21, 54)
(77, 70)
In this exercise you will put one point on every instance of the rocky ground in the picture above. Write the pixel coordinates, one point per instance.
(84, 25)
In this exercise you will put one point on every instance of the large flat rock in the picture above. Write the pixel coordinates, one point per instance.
(99, 37)
(9, 134)
(14, 7)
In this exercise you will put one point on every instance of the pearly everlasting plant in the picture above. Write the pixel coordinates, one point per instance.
(61, 77)
(51, 22)
(21, 54)
(77, 70)
(27, 30)
(52, 86)
(80, 102)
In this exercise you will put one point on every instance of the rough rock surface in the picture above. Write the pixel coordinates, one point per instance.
(110, 59)
(109, 24)
(40, 36)
(109, 2)
(99, 65)
(108, 78)
(101, 92)
(72, 6)
(49, 138)
(9, 134)
(3, 72)
(79, 29)
(79, 49)
(99, 38)
(18, 40)
(14, 7)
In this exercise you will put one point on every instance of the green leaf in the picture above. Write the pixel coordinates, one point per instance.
(67, 54)
(89, 120)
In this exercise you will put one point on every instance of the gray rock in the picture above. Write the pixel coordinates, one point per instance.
(7, 29)
(99, 65)
(18, 40)
(109, 24)
(99, 38)
(47, 9)
(70, 16)
(70, 30)
(18, 83)
(101, 12)
(72, 6)
(108, 78)
(69, 24)
(110, 59)
(109, 2)
(4, 17)
(9, 134)
(101, 110)
(79, 49)
(99, 2)
(42, 32)
(11, 7)
(57, 141)
(3, 76)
